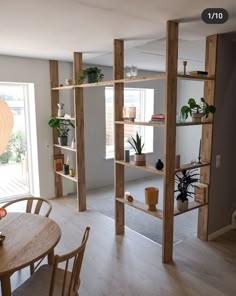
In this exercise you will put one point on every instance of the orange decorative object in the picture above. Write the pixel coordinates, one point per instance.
(6, 124)
(3, 213)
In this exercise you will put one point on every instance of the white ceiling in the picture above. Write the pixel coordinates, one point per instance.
(54, 29)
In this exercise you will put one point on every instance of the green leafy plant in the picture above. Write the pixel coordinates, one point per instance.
(136, 144)
(185, 181)
(204, 108)
(92, 74)
(62, 125)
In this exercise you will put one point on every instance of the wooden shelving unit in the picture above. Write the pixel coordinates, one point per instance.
(79, 179)
(171, 76)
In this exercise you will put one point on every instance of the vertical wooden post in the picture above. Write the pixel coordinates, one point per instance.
(206, 149)
(118, 73)
(170, 137)
(54, 82)
(79, 134)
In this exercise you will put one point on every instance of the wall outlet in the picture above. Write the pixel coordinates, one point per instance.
(218, 160)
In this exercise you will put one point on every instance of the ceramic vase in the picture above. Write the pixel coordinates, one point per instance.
(151, 197)
(61, 111)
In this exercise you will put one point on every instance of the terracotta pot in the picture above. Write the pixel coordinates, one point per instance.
(151, 197)
(182, 206)
(139, 159)
(197, 117)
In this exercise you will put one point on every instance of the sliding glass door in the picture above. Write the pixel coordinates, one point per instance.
(14, 162)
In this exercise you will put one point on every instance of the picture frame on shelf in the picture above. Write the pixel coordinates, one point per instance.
(58, 161)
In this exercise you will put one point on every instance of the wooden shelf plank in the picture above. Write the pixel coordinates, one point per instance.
(67, 176)
(140, 123)
(190, 166)
(192, 205)
(142, 78)
(147, 168)
(65, 118)
(101, 83)
(63, 87)
(65, 147)
(142, 207)
(111, 82)
(191, 77)
(193, 123)
(133, 79)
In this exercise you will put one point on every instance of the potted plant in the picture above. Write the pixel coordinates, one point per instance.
(62, 125)
(184, 183)
(197, 111)
(139, 157)
(90, 75)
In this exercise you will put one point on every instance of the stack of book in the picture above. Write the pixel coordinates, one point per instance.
(158, 118)
(198, 73)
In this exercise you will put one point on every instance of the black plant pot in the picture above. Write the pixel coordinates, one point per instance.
(91, 77)
(159, 165)
(63, 140)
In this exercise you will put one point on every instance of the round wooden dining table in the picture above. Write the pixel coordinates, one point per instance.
(29, 237)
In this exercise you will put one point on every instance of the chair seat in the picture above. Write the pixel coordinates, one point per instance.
(39, 283)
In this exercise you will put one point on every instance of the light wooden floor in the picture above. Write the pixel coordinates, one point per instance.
(131, 264)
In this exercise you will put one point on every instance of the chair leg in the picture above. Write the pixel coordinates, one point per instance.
(31, 269)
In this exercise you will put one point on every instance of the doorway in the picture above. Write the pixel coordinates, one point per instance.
(15, 161)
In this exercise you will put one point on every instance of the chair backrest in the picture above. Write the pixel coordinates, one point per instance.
(71, 279)
(33, 205)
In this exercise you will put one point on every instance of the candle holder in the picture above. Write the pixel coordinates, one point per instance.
(184, 64)
(129, 113)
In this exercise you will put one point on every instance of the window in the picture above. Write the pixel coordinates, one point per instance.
(143, 100)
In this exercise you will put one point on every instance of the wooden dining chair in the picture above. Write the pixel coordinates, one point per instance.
(50, 280)
(34, 205)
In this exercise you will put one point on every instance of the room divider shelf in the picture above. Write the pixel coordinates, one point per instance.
(148, 168)
(64, 147)
(140, 123)
(190, 166)
(171, 83)
(192, 205)
(67, 176)
(142, 207)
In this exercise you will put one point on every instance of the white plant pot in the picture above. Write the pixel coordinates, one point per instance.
(197, 117)
(182, 206)
(139, 159)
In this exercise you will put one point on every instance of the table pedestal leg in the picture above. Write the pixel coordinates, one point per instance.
(6, 285)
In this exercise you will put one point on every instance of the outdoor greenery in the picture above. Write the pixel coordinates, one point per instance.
(203, 107)
(16, 148)
(136, 144)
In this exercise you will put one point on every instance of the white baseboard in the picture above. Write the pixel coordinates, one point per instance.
(219, 232)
